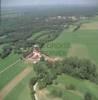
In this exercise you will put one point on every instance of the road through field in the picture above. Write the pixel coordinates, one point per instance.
(6, 68)
(10, 86)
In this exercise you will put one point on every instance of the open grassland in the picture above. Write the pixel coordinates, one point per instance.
(95, 19)
(80, 88)
(22, 90)
(8, 61)
(88, 40)
(59, 46)
(9, 74)
(11, 67)
(78, 50)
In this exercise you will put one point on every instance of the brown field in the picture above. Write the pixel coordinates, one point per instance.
(78, 50)
(89, 26)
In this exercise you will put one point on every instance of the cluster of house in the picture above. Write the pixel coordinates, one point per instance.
(69, 17)
(64, 18)
(35, 56)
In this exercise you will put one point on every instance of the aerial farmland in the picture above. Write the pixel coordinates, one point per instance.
(50, 54)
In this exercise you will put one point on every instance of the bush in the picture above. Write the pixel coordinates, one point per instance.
(31, 85)
(33, 80)
(6, 51)
(42, 84)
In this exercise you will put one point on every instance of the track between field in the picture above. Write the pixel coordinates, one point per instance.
(9, 66)
(12, 84)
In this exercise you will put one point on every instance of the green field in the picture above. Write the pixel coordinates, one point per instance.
(5, 77)
(11, 73)
(82, 44)
(81, 87)
(8, 61)
(59, 46)
(88, 38)
(21, 91)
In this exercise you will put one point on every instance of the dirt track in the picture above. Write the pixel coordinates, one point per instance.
(6, 68)
(11, 85)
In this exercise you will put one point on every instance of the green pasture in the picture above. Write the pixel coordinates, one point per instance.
(22, 90)
(61, 46)
(8, 61)
(11, 73)
(89, 38)
(81, 88)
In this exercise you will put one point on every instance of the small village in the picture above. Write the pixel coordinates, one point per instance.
(36, 55)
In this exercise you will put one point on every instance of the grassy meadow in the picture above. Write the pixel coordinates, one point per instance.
(80, 88)
(22, 90)
(87, 38)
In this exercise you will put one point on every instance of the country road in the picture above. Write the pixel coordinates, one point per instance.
(11, 85)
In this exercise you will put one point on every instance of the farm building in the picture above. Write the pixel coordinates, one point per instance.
(35, 56)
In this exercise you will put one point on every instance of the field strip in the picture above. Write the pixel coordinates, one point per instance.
(10, 66)
(89, 26)
(10, 86)
(78, 50)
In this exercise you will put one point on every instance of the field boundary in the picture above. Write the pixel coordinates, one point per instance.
(10, 86)
(9, 66)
